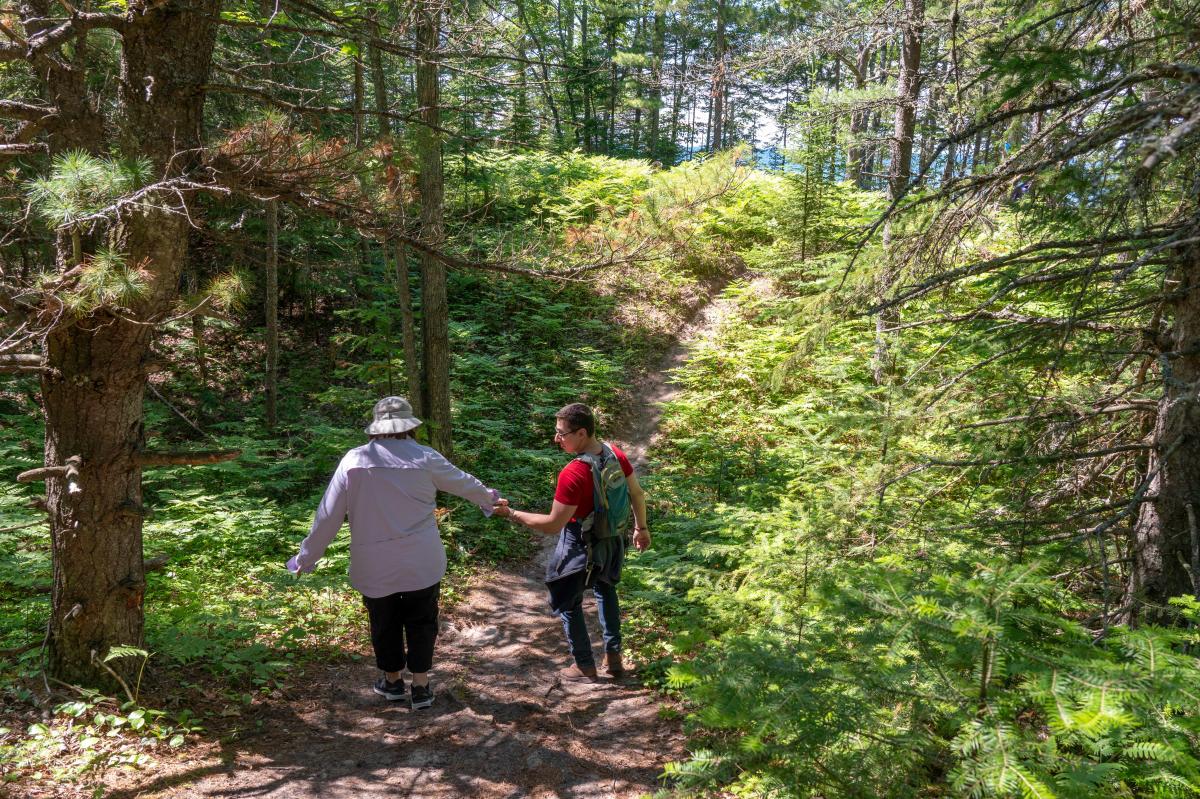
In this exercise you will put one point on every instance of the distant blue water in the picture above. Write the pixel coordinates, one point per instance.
(770, 159)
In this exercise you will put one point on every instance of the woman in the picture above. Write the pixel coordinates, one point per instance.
(389, 489)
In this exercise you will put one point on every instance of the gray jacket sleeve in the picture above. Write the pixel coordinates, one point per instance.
(328, 520)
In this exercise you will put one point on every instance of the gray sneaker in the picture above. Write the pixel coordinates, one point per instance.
(422, 696)
(391, 691)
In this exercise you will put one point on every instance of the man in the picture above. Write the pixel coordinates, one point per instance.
(579, 562)
(389, 488)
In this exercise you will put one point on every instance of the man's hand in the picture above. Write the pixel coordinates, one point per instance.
(641, 538)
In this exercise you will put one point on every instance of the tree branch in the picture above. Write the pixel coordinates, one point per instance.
(42, 42)
(180, 458)
(27, 111)
(69, 470)
(1067, 456)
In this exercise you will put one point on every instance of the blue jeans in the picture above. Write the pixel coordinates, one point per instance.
(575, 626)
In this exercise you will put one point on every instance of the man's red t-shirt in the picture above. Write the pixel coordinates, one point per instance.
(575, 485)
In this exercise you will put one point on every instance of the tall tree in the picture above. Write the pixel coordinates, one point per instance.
(435, 311)
(899, 163)
(716, 108)
(96, 361)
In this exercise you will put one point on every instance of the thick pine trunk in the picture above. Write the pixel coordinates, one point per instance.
(435, 310)
(1166, 533)
(93, 396)
(94, 410)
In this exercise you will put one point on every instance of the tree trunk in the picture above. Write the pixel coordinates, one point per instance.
(521, 129)
(717, 99)
(198, 344)
(677, 99)
(589, 110)
(408, 332)
(1166, 534)
(900, 156)
(547, 84)
(899, 170)
(566, 42)
(858, 124)
(271, 314)
(658, 47)
(93, 399)
(379, 81)
(435, 310)
(359, 91)
(611, 128)
(95, 411)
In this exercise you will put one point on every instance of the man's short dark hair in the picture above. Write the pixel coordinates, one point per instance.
(578, 416)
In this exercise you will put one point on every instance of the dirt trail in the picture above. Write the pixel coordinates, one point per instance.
(638, 426)
(503, 724)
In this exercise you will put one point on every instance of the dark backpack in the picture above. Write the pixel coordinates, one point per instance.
(610, 497)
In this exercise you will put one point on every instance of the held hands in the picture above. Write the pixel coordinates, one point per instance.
(641, 538)
(501, 509)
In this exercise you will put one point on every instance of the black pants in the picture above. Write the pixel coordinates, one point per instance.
(407, 617)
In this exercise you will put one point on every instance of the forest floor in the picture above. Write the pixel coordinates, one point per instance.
(503, 724)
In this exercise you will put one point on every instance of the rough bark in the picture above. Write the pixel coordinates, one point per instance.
(900, 156)
(1165, 531)
(899, 168)
(93, 394)
(435, 309)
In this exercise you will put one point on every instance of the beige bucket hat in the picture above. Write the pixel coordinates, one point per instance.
(392, 415)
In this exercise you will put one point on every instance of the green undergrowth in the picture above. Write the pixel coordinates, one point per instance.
(843, 616)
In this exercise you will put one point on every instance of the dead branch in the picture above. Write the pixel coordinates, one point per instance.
(180, 458)
(69, 470)
(14, 358)
(1006, 315)
(44, 41)
(27, 111)
(1145, 406)
(1066, 456)
(22, 149)
(22, 526)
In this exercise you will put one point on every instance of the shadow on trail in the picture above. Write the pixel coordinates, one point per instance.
(465, 745)
(502, 726)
